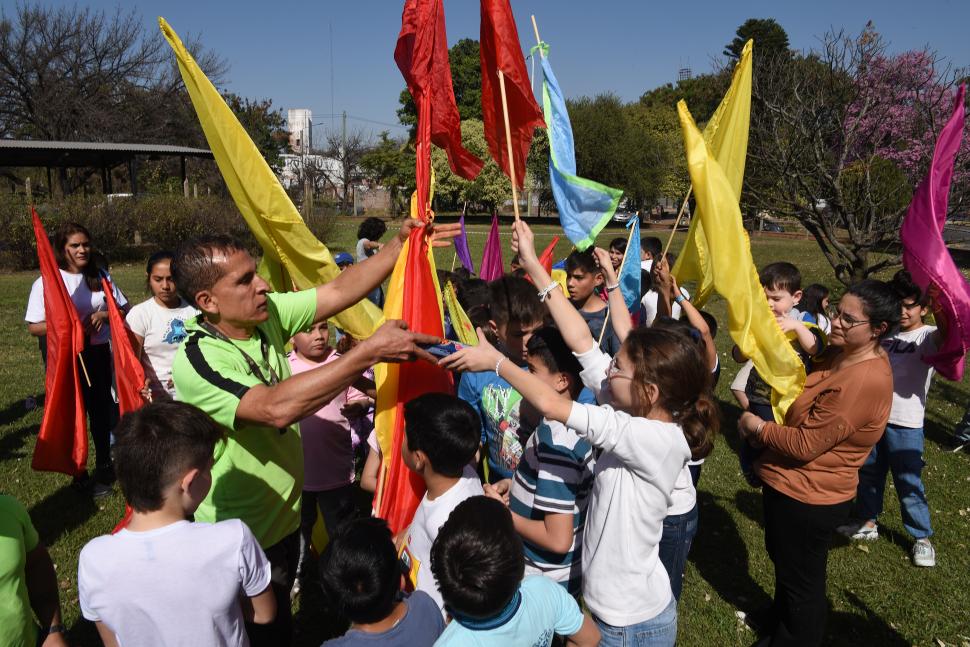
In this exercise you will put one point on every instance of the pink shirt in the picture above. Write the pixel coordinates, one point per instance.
(328, 452)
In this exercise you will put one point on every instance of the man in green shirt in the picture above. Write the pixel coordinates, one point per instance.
(233, 367)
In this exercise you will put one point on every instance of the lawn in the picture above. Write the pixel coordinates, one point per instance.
(876, 596)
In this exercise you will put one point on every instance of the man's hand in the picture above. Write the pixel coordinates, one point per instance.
(393, 342)
(355, 409)
(523, 243)
(441, 235)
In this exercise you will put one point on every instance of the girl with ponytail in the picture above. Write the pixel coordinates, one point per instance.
(654, 414)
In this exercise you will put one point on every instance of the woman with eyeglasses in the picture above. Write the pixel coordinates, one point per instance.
(810, 466)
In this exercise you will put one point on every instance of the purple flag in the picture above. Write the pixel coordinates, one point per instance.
(461, 247)
(493, 267)
(925, 255)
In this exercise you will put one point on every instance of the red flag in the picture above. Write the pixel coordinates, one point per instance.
(62, 444)
(129, 374)
(422, 56)
(546, 259)
(500, 50)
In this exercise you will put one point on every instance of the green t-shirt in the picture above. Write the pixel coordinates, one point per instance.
(258, 472)
(17, 538)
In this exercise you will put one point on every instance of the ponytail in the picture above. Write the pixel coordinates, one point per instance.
(700, 423)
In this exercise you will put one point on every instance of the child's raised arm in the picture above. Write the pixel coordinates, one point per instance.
(571, 324)
(622, 325)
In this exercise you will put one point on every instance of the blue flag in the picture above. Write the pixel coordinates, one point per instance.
(630, 268)
(584, 206)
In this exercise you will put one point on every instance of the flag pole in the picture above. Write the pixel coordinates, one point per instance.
(535, 28)
(508, 144)
(680, 215)
(84, 369)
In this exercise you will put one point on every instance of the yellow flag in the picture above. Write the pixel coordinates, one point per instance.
(460, 322)
(750, 322)
(292, 255)
(726, 135)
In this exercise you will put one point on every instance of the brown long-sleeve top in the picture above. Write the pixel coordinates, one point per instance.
(816, 455)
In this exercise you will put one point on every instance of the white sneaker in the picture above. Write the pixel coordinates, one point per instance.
(860, 530)
(923, 553)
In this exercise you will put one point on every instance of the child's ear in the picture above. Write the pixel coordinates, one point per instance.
(564, 382)
(598, 278)
(420, 460)
(185, 483)
(797, 296)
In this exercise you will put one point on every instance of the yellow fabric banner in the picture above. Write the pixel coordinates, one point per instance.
(293, 258)
(726, 135)
(750, 321)
(460, 322)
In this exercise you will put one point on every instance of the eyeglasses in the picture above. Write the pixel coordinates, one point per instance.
(847, 321)
(614, 371)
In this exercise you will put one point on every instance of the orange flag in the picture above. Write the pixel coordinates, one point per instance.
(546, 259)
(62, 444)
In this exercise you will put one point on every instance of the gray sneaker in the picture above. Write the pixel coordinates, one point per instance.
(860, 531)
(923, 553)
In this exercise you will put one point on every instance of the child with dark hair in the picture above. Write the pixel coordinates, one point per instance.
(782, 283)
(900, 450)
(163, 580)
(362, 579)
(478, 563)
(509, 313)
(650, 250)
(548, 493)
(584, 278)
(368, 243)
(440, 442)
(617, 250)
(814, 306)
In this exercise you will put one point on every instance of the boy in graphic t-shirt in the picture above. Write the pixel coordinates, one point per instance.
(900, 450)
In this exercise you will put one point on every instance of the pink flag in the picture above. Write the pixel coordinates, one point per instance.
(492, 264)
(925, 255)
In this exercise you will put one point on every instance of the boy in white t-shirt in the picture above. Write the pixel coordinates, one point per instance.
(900, 450)
(163, 580)
(441, 439)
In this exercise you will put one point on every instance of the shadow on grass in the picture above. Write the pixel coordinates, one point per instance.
(730, 412)
(866, 629)
(62, 512)
(13, 442)
(16, 409)
(721, 557)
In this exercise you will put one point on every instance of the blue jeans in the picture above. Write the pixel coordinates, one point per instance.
(961, 433)
(659, 631)
(900, 451)
(678, 533)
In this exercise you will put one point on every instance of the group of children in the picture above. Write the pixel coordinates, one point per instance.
(565, 469)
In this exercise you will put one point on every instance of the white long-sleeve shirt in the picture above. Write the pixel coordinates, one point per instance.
(624, 582)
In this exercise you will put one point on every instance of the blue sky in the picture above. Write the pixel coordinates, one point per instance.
(282, 50)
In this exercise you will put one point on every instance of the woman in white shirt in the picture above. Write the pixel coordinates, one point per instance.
(159, 326)
(81, 273)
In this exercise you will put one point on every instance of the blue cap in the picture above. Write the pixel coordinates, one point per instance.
(343, 258)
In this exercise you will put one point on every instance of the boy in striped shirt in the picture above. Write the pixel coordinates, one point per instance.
(547, 494)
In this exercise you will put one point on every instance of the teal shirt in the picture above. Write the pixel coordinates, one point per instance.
(258, 472)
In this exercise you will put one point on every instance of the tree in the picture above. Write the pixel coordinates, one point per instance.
(770, 38)
(838, 139)
(537, 171)
(487, 191)
(266, 127)
(390, 163)
(346, 151)
(466, 77)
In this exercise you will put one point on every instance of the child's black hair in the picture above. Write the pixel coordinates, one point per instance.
(812, 298)
(711, 322)
(156, 445)
(477, 558)
(445, 428)
(584, 261)
(547, 345)
(511, 300)
(902, 283)
(619, 244)
(652, 245)
(153, 260)
(360, 574)
(372, 229)
(781, 276)
(880, 303)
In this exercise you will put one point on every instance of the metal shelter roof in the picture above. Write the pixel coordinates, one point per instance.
(18, 152)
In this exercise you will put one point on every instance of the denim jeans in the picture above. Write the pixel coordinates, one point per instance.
(900, 451)
(659, 631)
(678, 533)
(962, 431)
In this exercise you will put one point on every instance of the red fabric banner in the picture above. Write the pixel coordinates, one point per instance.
(546, 259)
(129, 373)
(422, 56)
(62, 444)
(501, 50)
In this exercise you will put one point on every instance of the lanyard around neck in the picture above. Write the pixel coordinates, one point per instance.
(274, 378)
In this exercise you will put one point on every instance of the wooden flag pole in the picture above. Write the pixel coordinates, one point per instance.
(680, 215)
(535, 28)
(508, 144)
(84, 369)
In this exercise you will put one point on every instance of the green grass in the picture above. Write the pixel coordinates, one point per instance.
(877, 597)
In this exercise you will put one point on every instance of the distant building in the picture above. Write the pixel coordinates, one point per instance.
(684, 74)
(299, 121)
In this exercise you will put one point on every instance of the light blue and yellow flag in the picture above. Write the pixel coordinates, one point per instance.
(584, 206)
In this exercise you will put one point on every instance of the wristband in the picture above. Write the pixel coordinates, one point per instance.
(610, 288)
(56, 629)
(498, 365)
(546, 290)
(680, 298)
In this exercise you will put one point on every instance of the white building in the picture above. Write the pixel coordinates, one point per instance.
(299, 121)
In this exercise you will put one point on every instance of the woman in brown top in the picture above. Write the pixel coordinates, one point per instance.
(810, 466)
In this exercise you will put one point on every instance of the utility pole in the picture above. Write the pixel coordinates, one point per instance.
(343, 154)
